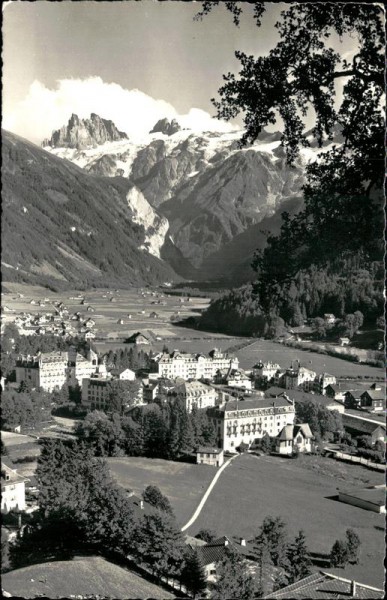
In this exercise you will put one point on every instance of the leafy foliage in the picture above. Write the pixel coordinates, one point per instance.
(153, 496)
(343, 213)
(233, 579)
(321, 420)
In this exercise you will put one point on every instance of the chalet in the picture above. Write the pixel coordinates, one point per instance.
(90, 309)
(352, 399)
(90, 323)
(373, 399)
(209, 456)
(212, 553)
(325, 586)
(123, 374)
(120, 322)
(344, 341)
(294, 438)
(153, 315)
(138, 338)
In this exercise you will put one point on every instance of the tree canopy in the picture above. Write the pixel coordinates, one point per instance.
(305, 78)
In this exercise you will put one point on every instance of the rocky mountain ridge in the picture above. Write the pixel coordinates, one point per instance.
(81, 133)
(208, 188)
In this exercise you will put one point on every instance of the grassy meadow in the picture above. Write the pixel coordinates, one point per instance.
(252, 488)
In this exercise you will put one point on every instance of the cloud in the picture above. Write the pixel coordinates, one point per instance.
(134, 112)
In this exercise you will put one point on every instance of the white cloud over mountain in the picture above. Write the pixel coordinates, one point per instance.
(133, 112)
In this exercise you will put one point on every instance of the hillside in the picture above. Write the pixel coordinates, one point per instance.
(62, 226)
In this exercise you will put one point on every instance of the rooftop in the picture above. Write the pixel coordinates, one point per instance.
(249, 404)
(325, 586)
(372, 495)
(209, 450)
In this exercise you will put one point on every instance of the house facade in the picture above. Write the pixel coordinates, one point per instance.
(373, 399)
(192, 366)
(294, 438)
(12, 490)
(196, 394)
(209, 456)
(242, 422)
(52, 370)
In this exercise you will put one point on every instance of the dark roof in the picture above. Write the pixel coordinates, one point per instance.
(362, 425)
(325, 586)
(375, 496)
(375, 394)
(249, 404)
(215, 551)
(209, 450)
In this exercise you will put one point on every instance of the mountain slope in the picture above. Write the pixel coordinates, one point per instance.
(209, 189)
(62, 224)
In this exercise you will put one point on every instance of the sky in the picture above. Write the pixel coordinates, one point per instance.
(132, 62)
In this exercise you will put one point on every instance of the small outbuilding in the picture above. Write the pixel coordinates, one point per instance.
(373, 499)
(209, 456)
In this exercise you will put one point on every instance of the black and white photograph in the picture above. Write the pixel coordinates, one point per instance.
(193, 392)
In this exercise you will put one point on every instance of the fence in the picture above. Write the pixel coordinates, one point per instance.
(358, 459)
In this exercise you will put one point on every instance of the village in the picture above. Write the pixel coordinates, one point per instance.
(266, 412)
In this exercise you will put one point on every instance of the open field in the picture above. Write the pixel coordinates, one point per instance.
(283, 355)
(184, 484)
(83, 576)
(18, 446)
(253, 487)
(111, 306)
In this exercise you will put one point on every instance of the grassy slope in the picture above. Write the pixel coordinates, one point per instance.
(184, 484)
(43, 198)
(80, 576)
(252, 488)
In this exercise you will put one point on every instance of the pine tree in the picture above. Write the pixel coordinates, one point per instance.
(193, 576)
(273, 538)
(298, 557)
(339, 554)
(233, 579)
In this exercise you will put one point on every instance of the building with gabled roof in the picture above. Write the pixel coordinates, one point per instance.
(294, 438)
(373, 399)
(326, 586)
(138, 338)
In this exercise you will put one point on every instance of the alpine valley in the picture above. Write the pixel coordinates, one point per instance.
(193, 205)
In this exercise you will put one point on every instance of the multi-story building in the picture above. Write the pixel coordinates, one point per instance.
(234, 378)
(196, 394)
(192, 366)
(52, 370)
(300, 377)
(96, 388)
(243, 421)
(265, 372)
(322, 381)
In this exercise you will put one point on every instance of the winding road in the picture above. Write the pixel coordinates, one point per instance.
(207, 493)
